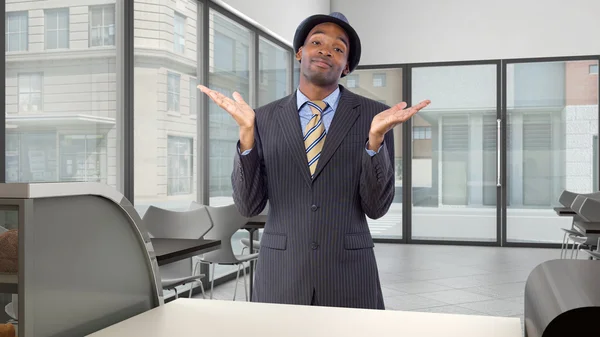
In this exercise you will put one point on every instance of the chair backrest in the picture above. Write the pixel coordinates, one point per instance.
(227, 221)
(168, 224)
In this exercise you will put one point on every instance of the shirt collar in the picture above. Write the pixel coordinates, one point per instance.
(331, 100)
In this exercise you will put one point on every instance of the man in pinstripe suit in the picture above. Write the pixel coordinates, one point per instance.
(324, 159)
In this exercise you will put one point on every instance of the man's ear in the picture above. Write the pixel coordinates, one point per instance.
(299, 54)
(346, 69)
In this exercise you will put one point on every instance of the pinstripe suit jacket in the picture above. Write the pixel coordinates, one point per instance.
(316, 241)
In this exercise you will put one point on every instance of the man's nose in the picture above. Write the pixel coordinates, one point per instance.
(325, 51)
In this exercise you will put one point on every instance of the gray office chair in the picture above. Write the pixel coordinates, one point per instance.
(227, 221)
(246, 243)
(190, 224)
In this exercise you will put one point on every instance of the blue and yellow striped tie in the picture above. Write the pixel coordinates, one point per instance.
(314, 135)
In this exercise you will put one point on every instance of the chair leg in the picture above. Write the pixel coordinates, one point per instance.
(236, 282)
(202, 288)
(245, 284)
(562, 247)
(212, 282)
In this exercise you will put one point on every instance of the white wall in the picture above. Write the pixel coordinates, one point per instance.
(404, 31)
(281, 17)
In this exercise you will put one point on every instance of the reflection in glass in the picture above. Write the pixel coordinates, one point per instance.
(552, 118)
(454, 154)
(385, 86)
(165, 104)
(229, 72)
(61, 112)
(273, 72)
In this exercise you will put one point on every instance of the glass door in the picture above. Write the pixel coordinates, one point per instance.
(455, 153)
(551, 143)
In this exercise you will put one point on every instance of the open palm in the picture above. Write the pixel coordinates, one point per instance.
(236, 107)
(388, 119)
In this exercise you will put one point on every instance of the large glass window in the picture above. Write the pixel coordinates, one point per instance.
(165, 125)
(390, 225)
(62, 113)
(552, 130)
(454, 153)
(229, 71)
(273, 72)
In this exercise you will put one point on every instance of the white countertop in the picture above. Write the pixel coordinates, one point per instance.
(187, 317)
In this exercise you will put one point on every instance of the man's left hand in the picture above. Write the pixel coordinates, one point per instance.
(388, 119)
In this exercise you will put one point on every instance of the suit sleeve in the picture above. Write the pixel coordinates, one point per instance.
(377, 179)
(249, 179)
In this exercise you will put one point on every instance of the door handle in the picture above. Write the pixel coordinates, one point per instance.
(498, 136)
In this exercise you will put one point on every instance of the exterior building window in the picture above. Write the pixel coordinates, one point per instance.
(193, 94)
(378, 80)
(422, 132)
(179, 33)
(352, 81)
(30, 92)
(102, 26)
(17, 28)
(179, 165)
(57, 28)
(173, 91)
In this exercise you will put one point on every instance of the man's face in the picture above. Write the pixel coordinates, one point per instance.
(324, 56)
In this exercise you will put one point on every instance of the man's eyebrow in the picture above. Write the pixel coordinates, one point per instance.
(341, 37)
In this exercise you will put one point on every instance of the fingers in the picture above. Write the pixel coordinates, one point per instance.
(238, 98)
(400, 106)
(220, 99)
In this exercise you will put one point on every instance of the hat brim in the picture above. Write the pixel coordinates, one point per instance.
(309, 23)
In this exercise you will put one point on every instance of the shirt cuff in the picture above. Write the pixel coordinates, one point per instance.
(245, 152)
(371, 152)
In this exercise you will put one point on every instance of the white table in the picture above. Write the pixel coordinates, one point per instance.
(213, 318)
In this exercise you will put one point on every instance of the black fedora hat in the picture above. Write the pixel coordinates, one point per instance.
(339, 19)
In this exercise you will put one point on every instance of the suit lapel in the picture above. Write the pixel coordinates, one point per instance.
(289, 121)
(344, 118)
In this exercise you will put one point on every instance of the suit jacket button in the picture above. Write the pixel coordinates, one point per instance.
(314, 246)
(314, 208)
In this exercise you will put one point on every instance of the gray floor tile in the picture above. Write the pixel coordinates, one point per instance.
(448, 279)
(506, 290)
(452, 309)
(495, 307)
(391, 292)
(456, 296)
(419, 287)
(460, 282)
(411, 302)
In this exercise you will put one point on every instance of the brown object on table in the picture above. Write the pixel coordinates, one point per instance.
(9, 251)
(7, 330)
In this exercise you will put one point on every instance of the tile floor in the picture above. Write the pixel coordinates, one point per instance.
(448, 279)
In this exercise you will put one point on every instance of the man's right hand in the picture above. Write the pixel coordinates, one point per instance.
(240, 111)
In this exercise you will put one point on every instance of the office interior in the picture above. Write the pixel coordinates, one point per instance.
(496, 181)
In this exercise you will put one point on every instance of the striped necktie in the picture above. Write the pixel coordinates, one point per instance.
(314, 135)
